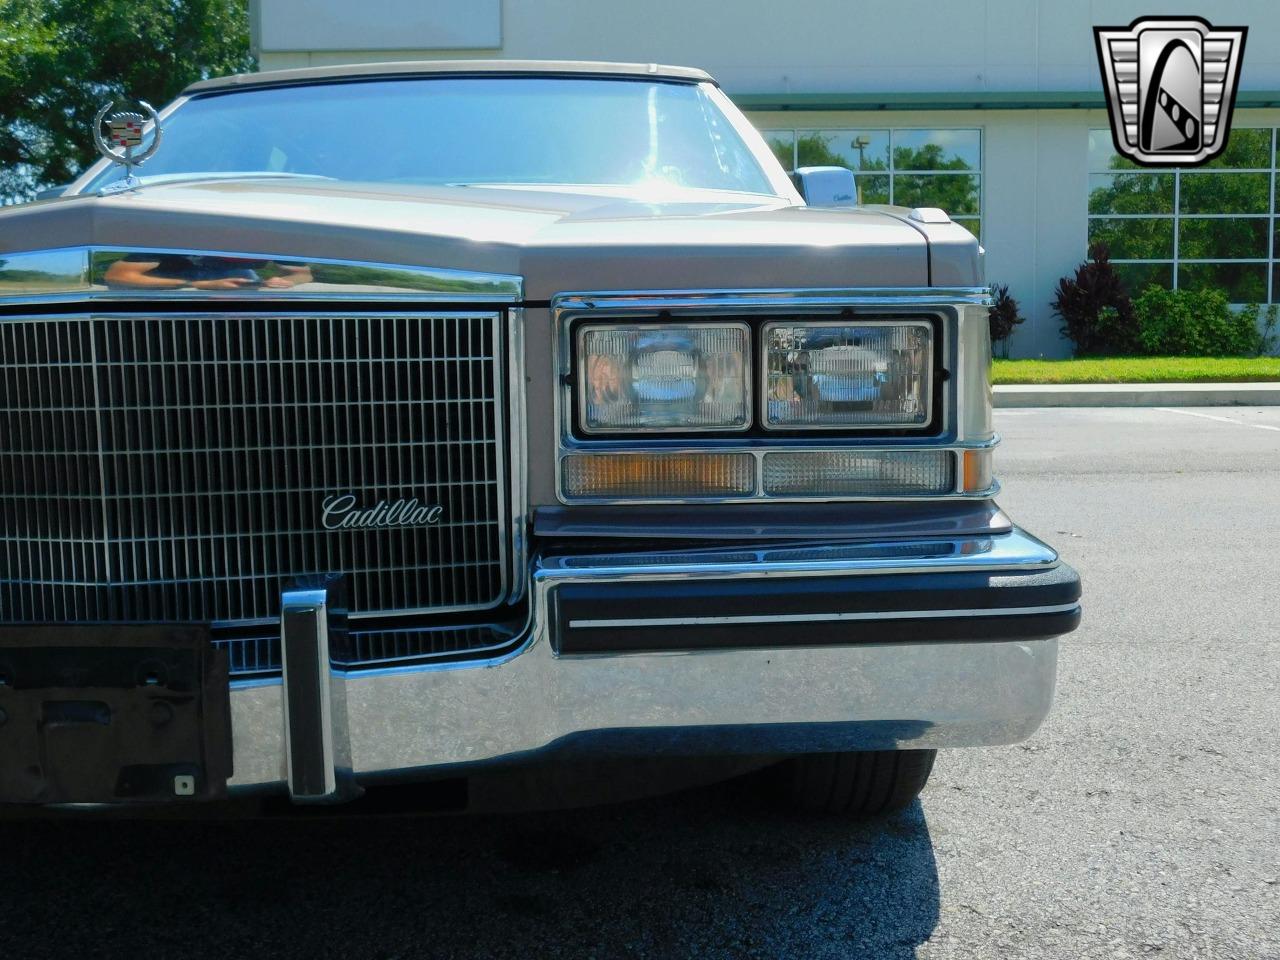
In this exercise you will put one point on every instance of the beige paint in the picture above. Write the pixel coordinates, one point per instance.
(558, 241)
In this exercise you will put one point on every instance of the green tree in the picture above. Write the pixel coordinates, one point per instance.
(815, 150)
(956, 193)
(60, 60)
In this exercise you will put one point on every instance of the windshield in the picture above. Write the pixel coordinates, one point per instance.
(464, 130)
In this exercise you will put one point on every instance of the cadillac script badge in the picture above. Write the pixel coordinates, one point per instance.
(1170, 85)
(119, 137)
(343, 513)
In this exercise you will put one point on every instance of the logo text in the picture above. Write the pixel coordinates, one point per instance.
(341, 513)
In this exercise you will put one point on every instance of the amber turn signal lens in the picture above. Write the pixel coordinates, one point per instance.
(658, 476)
(977, 471)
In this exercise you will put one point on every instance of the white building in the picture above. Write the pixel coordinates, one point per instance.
(992, 108)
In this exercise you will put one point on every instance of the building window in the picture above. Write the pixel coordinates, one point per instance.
(907, 167)
(1212, 226)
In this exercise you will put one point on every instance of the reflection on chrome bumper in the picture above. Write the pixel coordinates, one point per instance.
(787, 698)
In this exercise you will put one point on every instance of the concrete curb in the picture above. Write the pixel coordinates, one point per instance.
(1139, 395)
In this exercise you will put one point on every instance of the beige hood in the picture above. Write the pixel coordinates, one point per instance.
(558, 241)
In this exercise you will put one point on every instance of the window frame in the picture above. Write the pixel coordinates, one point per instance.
(1271, 217)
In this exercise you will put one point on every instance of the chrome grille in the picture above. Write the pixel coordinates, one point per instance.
(175, 467)
(259, 652)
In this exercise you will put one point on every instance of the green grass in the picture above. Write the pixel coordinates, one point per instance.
(1138, 370)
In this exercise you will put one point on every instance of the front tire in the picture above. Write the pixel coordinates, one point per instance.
(868, 784)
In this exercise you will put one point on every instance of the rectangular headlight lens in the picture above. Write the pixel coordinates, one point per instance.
(663, 378)
(837, 473)
(833, 374)
(658, 476)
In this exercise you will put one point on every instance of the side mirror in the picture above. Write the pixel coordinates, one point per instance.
(826, 186)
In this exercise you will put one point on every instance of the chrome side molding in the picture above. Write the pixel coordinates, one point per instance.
(843, 617)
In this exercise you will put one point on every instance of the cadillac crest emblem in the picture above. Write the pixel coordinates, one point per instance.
(1171, 86)
(119, 137)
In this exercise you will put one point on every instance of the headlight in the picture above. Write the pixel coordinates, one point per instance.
(644, 379)
(834, 374)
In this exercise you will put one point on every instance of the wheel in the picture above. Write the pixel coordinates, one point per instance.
(856, 784)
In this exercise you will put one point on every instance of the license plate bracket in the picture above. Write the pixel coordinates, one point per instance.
(113, 714)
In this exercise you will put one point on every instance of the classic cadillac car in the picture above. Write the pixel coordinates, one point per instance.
(412, 421)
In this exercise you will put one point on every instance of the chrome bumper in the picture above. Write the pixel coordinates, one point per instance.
(425, 720)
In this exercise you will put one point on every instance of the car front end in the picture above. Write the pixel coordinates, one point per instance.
(310, 483)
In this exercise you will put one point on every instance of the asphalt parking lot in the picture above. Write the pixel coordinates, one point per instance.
(1142, 820)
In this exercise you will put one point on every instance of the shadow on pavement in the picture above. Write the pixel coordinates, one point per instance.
(712, 873)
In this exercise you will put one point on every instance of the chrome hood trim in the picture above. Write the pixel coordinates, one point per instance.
(80, 273)
(556, 240)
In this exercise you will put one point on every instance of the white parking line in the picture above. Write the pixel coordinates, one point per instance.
(1210, 416)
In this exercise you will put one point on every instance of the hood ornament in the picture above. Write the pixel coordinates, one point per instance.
(118, 137)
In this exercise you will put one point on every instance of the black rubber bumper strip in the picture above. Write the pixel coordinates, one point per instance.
(676, 615)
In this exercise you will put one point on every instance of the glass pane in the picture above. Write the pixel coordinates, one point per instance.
(1233, 238)
(1242, 282)
(956, 193)
(1246, 148)
(1148, 238)
(1225, 192)
(873, 188)
(937, 150)
(870, 147)
(466, 130)
(783, 145)
(1136, 277)
(855, 149)
(1102, 153)
(972, 224)
(1131, 193)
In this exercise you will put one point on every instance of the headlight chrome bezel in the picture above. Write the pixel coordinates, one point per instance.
(945, 312)
(756, 380)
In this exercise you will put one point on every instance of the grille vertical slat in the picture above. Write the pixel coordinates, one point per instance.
(174, 467)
